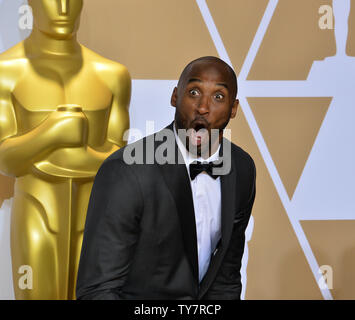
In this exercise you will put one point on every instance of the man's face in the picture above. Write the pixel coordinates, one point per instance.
(57, 18)
(204, 100)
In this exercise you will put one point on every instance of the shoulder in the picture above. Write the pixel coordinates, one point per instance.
(12, 62)
(143, 150)
(242, 158)
(14, 53)
(128, 163)
(115, 166)
(123, 156)
(105, 67)
(240, 153)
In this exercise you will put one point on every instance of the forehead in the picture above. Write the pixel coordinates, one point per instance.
(208, 71)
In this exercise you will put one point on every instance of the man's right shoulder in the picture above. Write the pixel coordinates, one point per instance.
(119, 156)
(141, 151)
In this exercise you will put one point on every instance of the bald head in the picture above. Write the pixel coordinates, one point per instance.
(205, 98)
(210, 62)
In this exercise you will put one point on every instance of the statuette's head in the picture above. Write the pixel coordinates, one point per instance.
(57, 18)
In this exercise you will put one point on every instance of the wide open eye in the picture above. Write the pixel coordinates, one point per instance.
(219, 96)
(194, 92)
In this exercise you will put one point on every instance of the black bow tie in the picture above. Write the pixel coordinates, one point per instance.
(197, 167)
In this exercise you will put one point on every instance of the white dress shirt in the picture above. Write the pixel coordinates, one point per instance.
(206, 194)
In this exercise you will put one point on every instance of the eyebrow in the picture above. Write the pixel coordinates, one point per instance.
(222, 84)
(193, 80)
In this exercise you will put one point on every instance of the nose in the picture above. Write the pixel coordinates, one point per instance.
(64, 7)
(204, 105)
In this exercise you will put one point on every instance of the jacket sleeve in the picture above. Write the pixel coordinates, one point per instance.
(227, 285)
(111, 232)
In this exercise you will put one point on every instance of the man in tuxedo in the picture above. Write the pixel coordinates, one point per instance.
(173, 230)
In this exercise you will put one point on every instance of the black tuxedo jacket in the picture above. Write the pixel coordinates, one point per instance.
(140, 233)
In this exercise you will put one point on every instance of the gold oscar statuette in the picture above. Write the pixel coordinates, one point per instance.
(63, 110)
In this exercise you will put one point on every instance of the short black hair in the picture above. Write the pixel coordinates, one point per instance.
(212, 59)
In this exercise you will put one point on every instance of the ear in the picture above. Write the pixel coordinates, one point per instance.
(234, 108)
(173, 100)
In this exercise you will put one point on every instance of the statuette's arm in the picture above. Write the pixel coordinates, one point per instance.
(19, 152)
(119, 117)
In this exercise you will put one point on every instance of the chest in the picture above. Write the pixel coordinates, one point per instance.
(44, 86)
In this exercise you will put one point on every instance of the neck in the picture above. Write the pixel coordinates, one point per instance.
(43, 44)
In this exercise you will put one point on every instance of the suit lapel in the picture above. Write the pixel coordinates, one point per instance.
(177, 179)
(230, 199)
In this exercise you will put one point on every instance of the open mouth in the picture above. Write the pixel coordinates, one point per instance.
(199, 133)
(199, 126)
